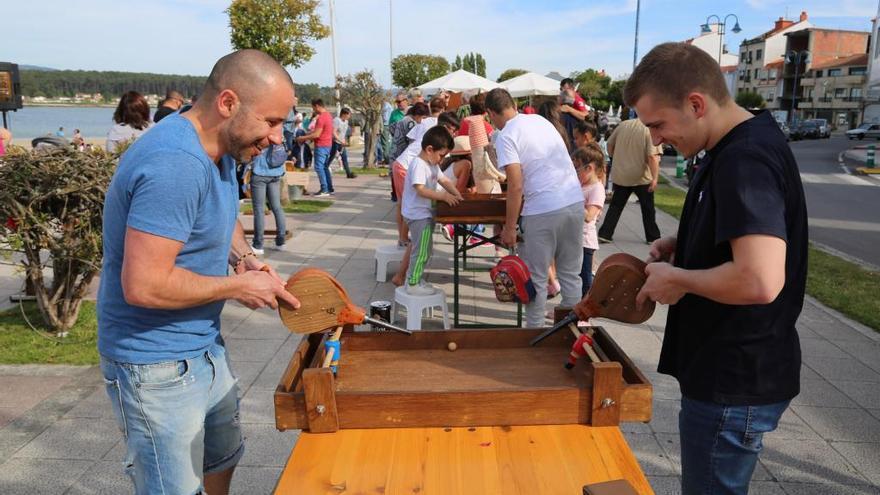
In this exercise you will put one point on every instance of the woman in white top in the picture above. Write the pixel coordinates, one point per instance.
(132, 118)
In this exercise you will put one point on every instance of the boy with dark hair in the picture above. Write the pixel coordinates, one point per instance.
(584, 133)
(419, 190)
(735, 274)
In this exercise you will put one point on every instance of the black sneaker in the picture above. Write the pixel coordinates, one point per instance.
(604, 240)
(352, 176)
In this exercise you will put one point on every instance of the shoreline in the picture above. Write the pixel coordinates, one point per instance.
(70, 105)
(25, 142)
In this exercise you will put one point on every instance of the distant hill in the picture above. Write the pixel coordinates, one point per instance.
(53, 83)
(36, 67)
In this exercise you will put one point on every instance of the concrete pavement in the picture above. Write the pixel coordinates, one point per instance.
(60, 438)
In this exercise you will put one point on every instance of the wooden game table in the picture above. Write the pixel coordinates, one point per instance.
(474, 209)
(405, 414)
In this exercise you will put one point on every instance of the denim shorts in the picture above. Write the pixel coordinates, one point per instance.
(180, 420)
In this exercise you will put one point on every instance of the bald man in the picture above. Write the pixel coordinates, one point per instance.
(174, 252)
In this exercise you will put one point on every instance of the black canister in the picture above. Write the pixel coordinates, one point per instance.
(380, 310)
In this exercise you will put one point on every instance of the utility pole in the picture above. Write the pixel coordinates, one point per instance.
(390, 43)
(333, 44)
(636, 45)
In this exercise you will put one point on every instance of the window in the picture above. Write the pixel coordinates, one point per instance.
(858, 71)
(808, 93)
(771, 96)
(773, 73)
(742, 57)
(835, 72)
(756, 73)
(840, 92)
(758, 54)
(855, 92)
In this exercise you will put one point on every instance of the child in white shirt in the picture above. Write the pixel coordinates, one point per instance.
(589, 162)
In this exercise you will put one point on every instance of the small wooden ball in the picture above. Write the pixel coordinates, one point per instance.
(452, 346)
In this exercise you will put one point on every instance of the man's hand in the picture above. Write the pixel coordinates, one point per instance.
(451, 200)
(508, 236)
(262, 288)
(653, 185)
(565, 108)
(662, 250)
(660, 286)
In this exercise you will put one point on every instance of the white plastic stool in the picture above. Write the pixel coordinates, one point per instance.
(384, 255)
(415, 305)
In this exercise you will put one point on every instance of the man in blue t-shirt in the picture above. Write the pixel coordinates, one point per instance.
(734, 275)
(170, 235)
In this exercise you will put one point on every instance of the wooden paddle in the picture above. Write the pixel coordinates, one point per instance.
(324, 304)
(613, 294)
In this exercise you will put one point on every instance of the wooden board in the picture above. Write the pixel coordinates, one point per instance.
(525, 460)
(494, 378)
(475, 208)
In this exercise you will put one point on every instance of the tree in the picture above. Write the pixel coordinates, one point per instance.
(480, 66)
(747, 99)
(365, 96)
(280, 28)
(614, 94)
(411, 70)
(49, 209)
(510, 74)
(457, 65)
(593, 83)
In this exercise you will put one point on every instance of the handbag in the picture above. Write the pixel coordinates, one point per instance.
(512, 280)
(276, 155)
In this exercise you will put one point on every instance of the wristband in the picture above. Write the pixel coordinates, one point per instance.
(241, 259)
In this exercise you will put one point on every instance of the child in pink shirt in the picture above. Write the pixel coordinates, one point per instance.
(589, 161)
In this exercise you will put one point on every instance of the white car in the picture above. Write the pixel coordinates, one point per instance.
(866, 130)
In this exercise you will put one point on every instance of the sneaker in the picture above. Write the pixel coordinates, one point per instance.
(553, 290)
(604, 240)
(420, 289)
(352, 176)
(447, 231)
(322, 194)
(258, 251)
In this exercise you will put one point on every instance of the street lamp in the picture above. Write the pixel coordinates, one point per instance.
(706, 28)
(797, 58)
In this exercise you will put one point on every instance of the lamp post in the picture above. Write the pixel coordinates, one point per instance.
(797, 58)
(706, 28)
(636, 44)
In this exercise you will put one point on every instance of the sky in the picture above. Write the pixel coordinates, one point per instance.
(188, 36)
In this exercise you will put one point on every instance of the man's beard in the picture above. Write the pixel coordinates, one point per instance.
(240, 146)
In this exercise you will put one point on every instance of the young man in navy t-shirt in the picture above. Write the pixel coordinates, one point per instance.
(735, 274)
(171, 235)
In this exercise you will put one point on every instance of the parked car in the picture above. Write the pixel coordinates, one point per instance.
(805, 130)
(824, 128)
(866, 130)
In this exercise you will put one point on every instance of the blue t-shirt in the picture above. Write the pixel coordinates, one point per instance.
(166, 185)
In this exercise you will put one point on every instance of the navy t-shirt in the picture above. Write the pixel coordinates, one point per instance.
(166, 185)
(740, 354)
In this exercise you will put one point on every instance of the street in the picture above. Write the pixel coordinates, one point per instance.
(842, 207)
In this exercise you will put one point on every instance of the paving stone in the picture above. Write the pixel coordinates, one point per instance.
(821, 348)
(807, 461)
(260, 325)
(79, 438)
(822, 393)
(270, 376)
(841, 424)
(793, 427)
(866, 394)
(96, 405)
(665, 416)
(40, 476)
(839, 332)
(258, 406)
(652, 458)
(828, 488)
(867, 353)
(864, 456)
(252, 350)
(807, 373)
(104, 478)
(636, 428)
(249, 480)
(265, 446)
(27, 391)
(665, 485)
(247, 372)
(841, 369)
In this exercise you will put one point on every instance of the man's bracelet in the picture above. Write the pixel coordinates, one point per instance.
(240, 260)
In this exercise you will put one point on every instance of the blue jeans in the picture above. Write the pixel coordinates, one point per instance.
(343, 154)
(720, 444)
(180, 420)
(261, 188)
(322, 167)
(587, 270)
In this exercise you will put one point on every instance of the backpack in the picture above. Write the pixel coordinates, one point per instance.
(276, 155)
(512, 280)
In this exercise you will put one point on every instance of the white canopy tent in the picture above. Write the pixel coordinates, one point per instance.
(460, 80)
(531, 84)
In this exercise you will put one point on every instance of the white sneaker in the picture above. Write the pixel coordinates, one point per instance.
(258, 251)
(447, 231)
(420, 289)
